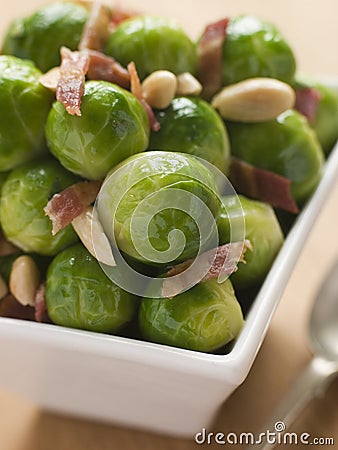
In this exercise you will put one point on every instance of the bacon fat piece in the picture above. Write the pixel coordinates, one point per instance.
(210, 57)
(136, 89)
(70, 203)
(103, 67)
(70, 86)
(307, 101)
(218, 262)
(96, 29)
(262, 185)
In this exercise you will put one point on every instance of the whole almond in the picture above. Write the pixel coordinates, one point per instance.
(24, 280)
(187, 84)
(159, 88)
(254, 100)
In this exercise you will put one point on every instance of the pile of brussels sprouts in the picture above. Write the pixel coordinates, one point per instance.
(43, 150)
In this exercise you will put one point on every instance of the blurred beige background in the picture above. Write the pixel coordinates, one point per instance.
(312, 30)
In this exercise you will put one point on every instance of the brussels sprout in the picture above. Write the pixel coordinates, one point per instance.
(80, 295)
(40, 36)
(262, 229)
(24, 105)
(112, 127)
(286, 145)
(152, 43)
(24, 195)
(191, 125)
(254, 48)
(149, 197)
(325, 122)
(204, 318)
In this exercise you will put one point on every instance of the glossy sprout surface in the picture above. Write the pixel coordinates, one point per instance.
(39, 36)
(191, 125)
(113, 126)
(204, 318)
(79, 295)
(25, 193)
(24, 106)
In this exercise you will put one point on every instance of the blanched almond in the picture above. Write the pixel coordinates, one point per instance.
(187, 84)
(24, 280)
(159, 88)
(254, 100)
(90, 231)
(50, 79)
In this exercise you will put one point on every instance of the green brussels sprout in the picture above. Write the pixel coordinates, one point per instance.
(262, 229)
(113, 126)
(286, 145)
(80, 295)
(40, 36)
(254, 48)
(24, 105)
(325, 122)
(204, 318)
(153, 43)
(150, 199)
(24, 196)
(191, 125)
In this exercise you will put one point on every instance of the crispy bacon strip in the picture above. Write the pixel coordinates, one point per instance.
(262, 185)
(217, 262)
(10, 307)
(70, 203)
(209, 53)
(136, 89)
(96, 29)
(70, 87)
(307, 101)
(41, 314)
(103, 67)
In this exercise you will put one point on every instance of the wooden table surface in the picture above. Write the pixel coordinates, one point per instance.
(311, 28)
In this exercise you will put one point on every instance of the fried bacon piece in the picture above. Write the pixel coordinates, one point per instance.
(218, 262)
(103, 67)
(307, 100)
(136, 89)
(41, 314)
(70, 86)
(210, 57)
(96, 29)
(262, 185)
(70, 203)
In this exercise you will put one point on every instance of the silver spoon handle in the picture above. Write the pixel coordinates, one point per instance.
(313, 380)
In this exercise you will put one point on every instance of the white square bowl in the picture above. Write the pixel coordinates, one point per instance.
(141, 384)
